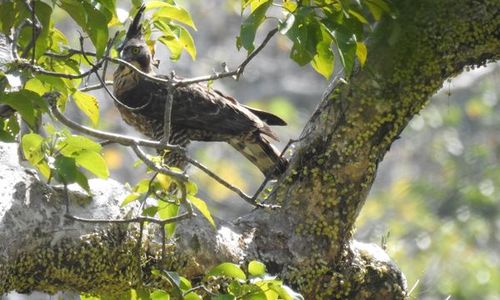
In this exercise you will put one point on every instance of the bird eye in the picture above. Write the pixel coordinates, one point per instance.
(136, 50)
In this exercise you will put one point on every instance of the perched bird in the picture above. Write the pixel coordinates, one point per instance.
(199, 113)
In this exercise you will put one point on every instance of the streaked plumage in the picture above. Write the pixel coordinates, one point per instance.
(198, 113)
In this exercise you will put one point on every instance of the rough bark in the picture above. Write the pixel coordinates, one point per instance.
(308, 241)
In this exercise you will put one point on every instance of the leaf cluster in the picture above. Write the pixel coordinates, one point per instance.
(226, 281)
(314, 27)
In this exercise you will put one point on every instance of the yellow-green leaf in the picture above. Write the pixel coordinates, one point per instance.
(88, 105)
(202, 207)
(172, 12)
(130, 197)
(187, 42)
(229, 270)
(93, 162)
(361, 52)
(256, 268)
(33, 152)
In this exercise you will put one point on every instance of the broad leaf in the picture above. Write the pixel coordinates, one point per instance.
(93, 162)
(29, 104)
(88, 105)
(172, 12)
(256, 268)
(229, 270)
(361, 52)
(202, 207)
(251, 24)
(165, 211)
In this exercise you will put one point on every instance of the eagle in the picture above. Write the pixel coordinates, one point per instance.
(199, 113)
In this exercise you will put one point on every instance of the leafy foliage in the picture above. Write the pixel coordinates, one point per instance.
(224, 281)
(314, 26)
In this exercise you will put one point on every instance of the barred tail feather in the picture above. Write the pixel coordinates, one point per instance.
(262, 154)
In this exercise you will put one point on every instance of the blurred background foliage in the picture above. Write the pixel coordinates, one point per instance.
(436, 199)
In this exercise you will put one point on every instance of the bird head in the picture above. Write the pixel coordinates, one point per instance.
(134, 48)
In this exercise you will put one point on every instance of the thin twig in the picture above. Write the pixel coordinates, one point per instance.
(199, 287)
(229, 186)
(236, 73)
(160, 222)
(117, 138)
(179, 176)
(95, 86)
(179, 82)
(266, 180)
(38, 69)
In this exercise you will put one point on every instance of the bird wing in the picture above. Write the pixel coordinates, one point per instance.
(197, 107)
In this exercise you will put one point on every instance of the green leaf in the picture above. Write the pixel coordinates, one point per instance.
(187, 42)
(223, 297)
(93, 162)
(172, 12)
(130, 198)
(346, 43)
(88, 105)
(251, 24)
(35, 85)
(358, 16)
(65, 169)
(254, 4)
(165, 211)
(56, 39)
(323, 61)
(229, 270)
(159, 295)
(176, 38)
(256, 268)
(286, 293)
(192, 296)
(202, 207)
(73, 144)
(305, 35)
(29, 104)
(377, 8)
(361, 52)
(33, 152)
(91, 20)
(7, 17)
(9, 128)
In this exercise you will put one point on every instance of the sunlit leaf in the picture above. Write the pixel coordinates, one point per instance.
(166, 211)
(187, 42)
(130, 198)
(27, 103)
(256, 268)
(361, 52)
(192, 296)
(229, 270)
(172, 12)
(9, 128)
(202, 207)
(33, 152)
(93, 162)
(88, 105)
(323, 61)
(251, 24)
(73, 144)
(159, 295)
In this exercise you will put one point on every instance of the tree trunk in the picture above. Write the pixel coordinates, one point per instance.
(308, 241)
